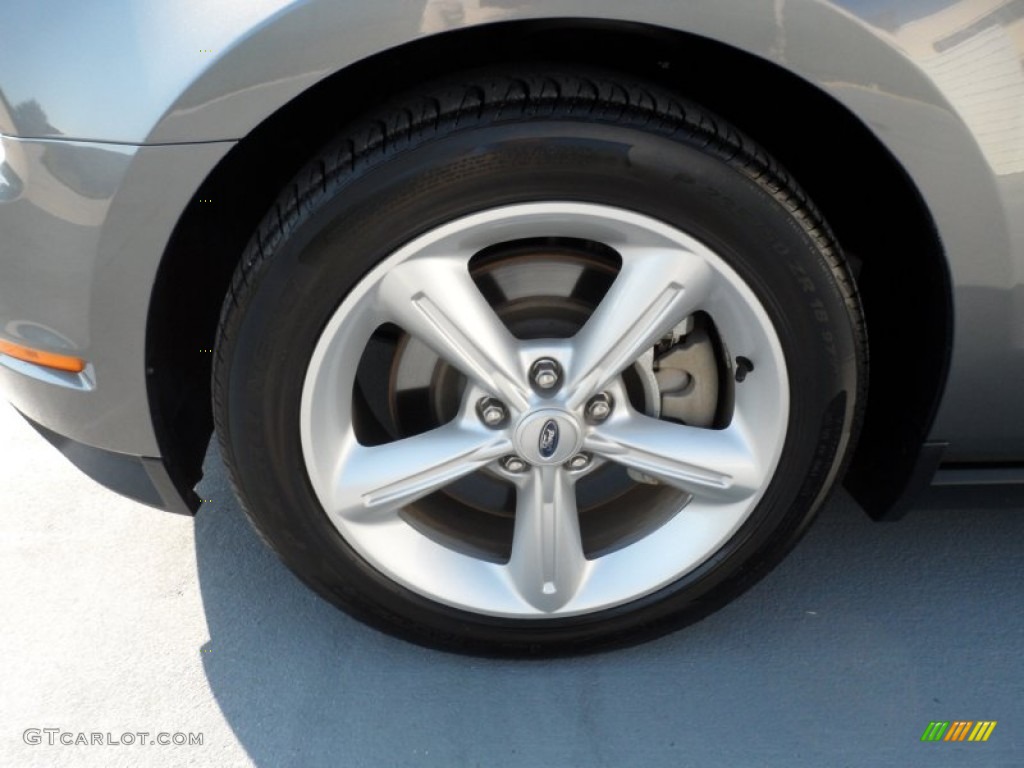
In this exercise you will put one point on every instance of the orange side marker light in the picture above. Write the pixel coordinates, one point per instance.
(37, 356)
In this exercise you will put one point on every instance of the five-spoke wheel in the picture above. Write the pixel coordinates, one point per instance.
(527, 408)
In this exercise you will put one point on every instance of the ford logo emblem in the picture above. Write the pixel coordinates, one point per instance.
(548, 442)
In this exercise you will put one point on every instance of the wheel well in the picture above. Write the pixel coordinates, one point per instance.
(871, 204)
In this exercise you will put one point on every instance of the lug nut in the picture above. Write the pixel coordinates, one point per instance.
(599, 408)
(513, 464)
(545, 373)
(492, 411)
(579, 461)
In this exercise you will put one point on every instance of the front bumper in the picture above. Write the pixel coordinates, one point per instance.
(143, 479)
(83, 229)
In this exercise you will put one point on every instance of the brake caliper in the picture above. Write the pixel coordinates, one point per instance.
(682, 379)
(686, 370)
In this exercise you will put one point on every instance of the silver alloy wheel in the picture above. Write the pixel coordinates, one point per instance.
(426, 289)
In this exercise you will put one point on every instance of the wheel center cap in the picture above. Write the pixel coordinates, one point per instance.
(548, 436)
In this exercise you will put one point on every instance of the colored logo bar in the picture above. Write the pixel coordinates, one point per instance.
(958, 730)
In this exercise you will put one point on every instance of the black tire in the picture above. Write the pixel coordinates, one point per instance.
(497, 138)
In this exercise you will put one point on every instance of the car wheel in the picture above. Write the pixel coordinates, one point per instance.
(537, 362)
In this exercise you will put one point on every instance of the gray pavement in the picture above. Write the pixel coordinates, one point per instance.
(120, 619)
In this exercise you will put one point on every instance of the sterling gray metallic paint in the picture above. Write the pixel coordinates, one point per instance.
(123, 106)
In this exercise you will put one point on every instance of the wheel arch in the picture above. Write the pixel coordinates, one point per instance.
(890, 234)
